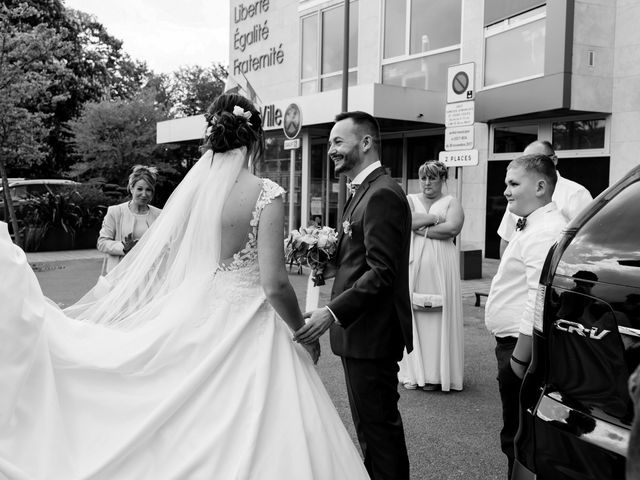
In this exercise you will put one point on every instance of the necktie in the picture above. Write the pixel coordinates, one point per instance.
(521, 223)
(352, 188)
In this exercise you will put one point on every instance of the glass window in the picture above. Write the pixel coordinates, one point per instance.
(428, 73)
(391, 157)
(309, 46)
(38, 190)
(513, 139)
(18, 192)
(434, 24)
(309, 87)
(328, 53)
(275, 166)
(332, 31)
(578, 134)
(335, 81)
(496, 10)
(395, 24)
(419, 150)
(514, 49)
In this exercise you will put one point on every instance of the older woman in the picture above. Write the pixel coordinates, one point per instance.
(437, 360)
(124, 224)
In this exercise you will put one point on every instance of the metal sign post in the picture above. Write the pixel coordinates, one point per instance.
(291, 126)
(459, 126)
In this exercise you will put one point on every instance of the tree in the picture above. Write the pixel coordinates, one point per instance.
(97, 69)
(29, 57)
(190, 90)
(112, 136)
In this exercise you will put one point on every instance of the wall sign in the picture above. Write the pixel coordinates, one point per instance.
(462, 158)
(246, 36)
(458, 138)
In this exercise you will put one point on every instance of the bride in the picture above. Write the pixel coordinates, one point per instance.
(179, 364)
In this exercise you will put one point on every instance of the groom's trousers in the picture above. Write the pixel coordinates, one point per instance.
(372, 386)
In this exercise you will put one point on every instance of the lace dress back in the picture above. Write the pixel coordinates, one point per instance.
(248, 256)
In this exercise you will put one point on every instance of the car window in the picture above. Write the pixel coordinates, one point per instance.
(37, 189)
(18, 192)
(609, 243)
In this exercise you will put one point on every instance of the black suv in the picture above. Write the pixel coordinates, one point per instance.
(576, 412)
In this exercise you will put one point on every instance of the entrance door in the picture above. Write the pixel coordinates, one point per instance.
(323, 188)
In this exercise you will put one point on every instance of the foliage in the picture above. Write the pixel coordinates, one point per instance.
(74, 210)
(30, 56)
(53, 210)
(95, 68)
(92, 202)
(191, 89)
(112, 136)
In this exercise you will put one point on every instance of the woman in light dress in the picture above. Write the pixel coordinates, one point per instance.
(180, 363)
(124, 224)
(437, 360)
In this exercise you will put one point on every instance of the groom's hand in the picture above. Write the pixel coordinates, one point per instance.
(319, 321)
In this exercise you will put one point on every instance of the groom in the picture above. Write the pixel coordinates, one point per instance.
(369, 312)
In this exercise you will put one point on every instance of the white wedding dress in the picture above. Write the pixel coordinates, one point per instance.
(172, 367)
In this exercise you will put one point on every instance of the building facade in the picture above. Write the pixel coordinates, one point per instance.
(566, 71)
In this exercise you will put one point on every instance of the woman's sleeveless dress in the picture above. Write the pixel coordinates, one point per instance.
(438, 335)
(213, 389)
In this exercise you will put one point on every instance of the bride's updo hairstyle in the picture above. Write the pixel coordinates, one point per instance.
(233, 122)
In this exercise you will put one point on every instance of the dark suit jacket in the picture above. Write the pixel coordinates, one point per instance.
(370, 295)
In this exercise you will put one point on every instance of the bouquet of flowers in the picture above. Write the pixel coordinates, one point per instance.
(313, 246)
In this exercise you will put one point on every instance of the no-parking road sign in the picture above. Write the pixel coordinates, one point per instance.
(460, 82)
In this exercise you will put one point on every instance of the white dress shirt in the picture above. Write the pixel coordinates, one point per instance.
(511, 300)
(569, 196)
(362, 176)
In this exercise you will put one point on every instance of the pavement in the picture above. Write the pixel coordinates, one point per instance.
(469, 286)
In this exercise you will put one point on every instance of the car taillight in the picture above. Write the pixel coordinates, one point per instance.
(538, 311)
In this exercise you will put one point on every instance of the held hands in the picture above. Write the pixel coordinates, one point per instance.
(319, 321)
(128, 243)
(314, 350)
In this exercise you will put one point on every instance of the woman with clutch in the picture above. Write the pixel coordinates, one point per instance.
(437, 360)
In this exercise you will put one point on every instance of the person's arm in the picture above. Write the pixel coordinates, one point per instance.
(506, 230)
(273, 274)
(385, 223)
(450, 225)
(106, 238)
(419, 220)
(503, 246)
(576, 203)
(533, 254)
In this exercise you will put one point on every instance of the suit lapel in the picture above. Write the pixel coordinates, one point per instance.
(351, 204)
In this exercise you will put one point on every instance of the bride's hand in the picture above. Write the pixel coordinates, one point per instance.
(313, 349)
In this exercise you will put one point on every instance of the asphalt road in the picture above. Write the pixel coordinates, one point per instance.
(449, 435)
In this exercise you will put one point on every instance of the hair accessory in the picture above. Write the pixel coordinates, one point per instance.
(238, 111)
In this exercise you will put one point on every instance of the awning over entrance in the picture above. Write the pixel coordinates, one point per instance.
(382, 101)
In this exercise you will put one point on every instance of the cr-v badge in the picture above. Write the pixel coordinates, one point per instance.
(573, 327)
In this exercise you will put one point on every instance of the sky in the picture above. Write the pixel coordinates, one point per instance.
(166, 34)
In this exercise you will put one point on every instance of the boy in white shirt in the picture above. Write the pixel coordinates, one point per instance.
(530, 181)
(570, 197)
